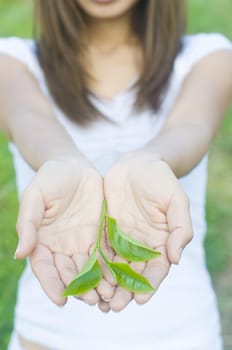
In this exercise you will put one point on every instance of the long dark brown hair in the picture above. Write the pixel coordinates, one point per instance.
(61, 42)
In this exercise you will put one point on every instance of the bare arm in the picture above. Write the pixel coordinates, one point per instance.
(182, 142)
(142, 188)
(196, 116)
(56, 217)
(27, 118)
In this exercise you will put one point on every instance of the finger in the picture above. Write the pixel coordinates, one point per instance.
(103, 306)
(106, 246)
(31, 212)
(138, 266)
(105, 290)
(121, 297)
(180, 226)
(43, 266)
(106, 287)
(106, 273)
(110, 255)
(155, 271)
(65, 267)
(91, 297)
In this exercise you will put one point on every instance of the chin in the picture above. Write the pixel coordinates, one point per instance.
(106, 9)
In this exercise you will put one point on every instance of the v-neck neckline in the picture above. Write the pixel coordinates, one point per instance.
(118, 95)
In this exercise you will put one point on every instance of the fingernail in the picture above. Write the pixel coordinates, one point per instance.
(107, 300)
(179, 254)
(16, 252)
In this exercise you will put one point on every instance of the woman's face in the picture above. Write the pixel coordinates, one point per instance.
(106, 9)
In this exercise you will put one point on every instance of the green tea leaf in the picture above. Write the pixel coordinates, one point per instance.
(129, 279)
(87, 279)
(127, 247)
(89, 263)
(100, 229)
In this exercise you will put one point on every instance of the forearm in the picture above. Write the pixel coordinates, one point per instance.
(181, 146)
(27, 118)
(41, 138)
(196, 116)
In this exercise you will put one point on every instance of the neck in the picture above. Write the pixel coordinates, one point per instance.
(108, 34)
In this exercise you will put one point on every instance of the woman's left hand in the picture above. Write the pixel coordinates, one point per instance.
(145, 197)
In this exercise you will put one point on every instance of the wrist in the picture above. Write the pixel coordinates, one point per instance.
(159, 154)
(77, 162)
(142, 154)
(72, 158)
(67, 170)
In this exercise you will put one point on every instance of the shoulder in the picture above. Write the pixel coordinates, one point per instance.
(15, 46)
(204, 43)
(197, 47)
(205, 39)
(23, 50)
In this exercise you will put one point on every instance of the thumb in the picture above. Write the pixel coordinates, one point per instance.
(31, 212)
(180, 226)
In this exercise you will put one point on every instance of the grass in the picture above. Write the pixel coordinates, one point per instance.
(204, 16)
(15, 19)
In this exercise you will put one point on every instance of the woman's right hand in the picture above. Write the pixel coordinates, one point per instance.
(58, 224)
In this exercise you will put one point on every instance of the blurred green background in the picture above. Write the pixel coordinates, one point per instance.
(203, 16)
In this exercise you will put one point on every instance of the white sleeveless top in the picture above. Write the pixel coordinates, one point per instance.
(182, 315)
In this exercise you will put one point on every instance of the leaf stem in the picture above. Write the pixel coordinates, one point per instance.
(99, 235)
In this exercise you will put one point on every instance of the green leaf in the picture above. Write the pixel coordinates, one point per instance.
(100, 228)
(87, 279)
(129, 279)
(127, 247)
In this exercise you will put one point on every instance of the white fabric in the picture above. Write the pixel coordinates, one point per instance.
(14, 342)
(182, 315)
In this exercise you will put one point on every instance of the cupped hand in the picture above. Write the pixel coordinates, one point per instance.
(58, 224)
(149, 204)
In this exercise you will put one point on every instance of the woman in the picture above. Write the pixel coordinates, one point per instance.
(141, 103)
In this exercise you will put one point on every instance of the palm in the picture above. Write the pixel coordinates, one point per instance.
(144, 197)
(62, 207)
(70, 221)
(145, 220)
